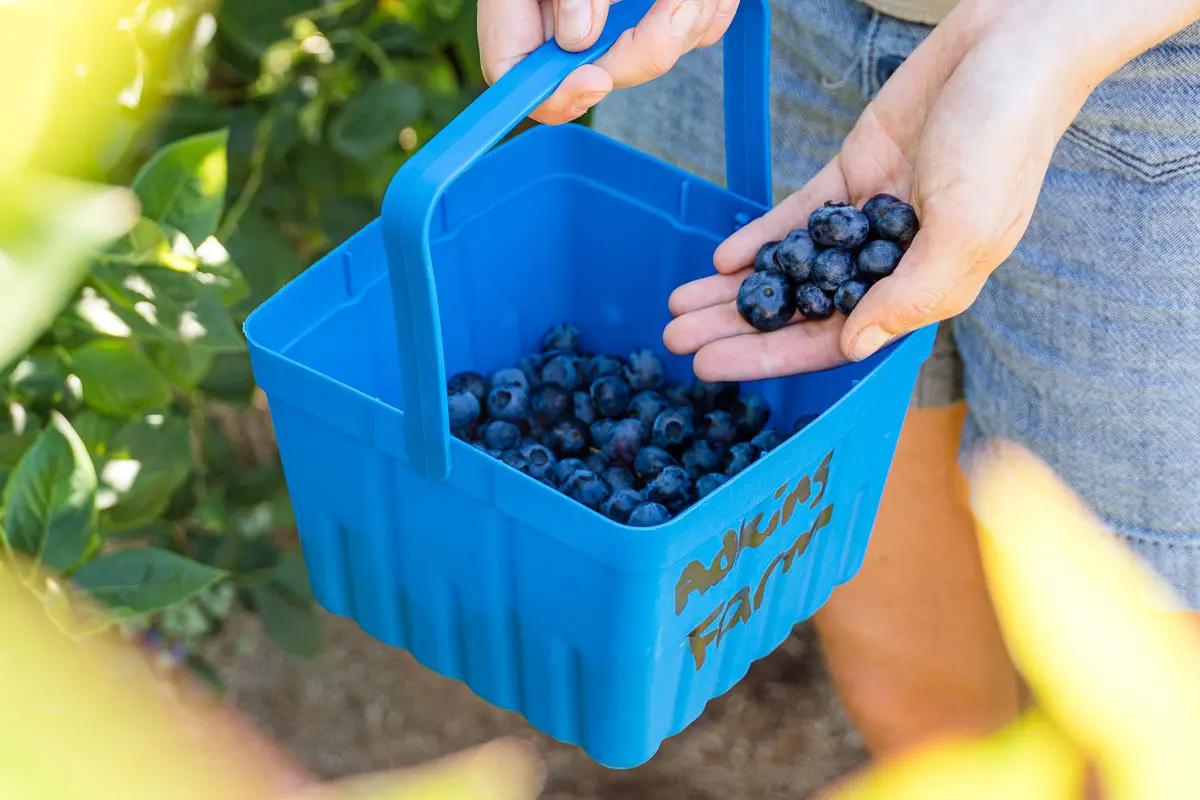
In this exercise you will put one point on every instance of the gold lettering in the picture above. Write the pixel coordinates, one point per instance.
(779, 492)
(799, 495)
(757, 537)
(821, 476)
(698, 640)
(742, 615)
(696, 578)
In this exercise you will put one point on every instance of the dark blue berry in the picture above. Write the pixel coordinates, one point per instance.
(541, 461)
(647, 515)
(796, 255)
(560, 369)
(767, 439)
(611, 395)
(741, 456)
(509, 403)
(619, 478)
(535, 429)
(707, 484)
(703, 457)
(812, 303)
(595, 462)
(600, 366)
(838, 225)
(751, 413)
(622, 502)
(529, 366)
(673, 429)
(512, 376)
(803, 421)
(549, 402)
(671, 488)
(765, 258)
(563, 337)
(898, 223)
(516, 460)
(833, 268)
(677, 394)
(719, 428)
(602, 430)
(874, 206)
(464, 413)
(652, 460)
(479, 445)
(586, 487)
(646, 406)
(878, 259)
(766, 301)
(568, 437)
(627, 438)
(645, 370)
(848, 295)
(564, 469)
(527, 441)
(500, 435)
(472, 382)
(709, 396)
(585, 410)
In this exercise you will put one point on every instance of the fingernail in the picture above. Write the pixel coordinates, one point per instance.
(683, 19)
(586, 101)
(868, 341)
(574, 21)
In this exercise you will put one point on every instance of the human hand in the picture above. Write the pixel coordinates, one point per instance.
(964, 130)
(509, 30)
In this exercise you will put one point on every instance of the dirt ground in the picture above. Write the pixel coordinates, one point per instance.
(363, 706)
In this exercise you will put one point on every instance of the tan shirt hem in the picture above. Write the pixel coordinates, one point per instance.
(927, 12)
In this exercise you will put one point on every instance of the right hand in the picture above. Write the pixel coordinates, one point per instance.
(509, 30)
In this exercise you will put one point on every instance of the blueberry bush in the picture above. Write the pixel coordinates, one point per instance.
(135, 452)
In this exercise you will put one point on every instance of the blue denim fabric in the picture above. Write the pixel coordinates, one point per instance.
(1084, 346)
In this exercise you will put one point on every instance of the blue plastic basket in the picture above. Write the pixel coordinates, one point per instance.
(609, 637)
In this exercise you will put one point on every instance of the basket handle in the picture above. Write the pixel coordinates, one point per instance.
(417, 187)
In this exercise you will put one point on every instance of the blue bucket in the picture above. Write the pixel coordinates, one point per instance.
(605, 636)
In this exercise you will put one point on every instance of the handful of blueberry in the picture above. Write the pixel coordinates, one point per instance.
(828, 265)
(611, 432)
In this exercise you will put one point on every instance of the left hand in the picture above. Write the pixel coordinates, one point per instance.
(964, 130)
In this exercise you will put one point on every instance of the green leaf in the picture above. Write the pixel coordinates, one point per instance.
(118, 379)
(95, 430)
(142, 580)
(218, 272)
(182, 365)
(183, 185)
(294, 625)
(50, 500)
(371, 121)
(255, 26)
(40, 377)
(153, 242)
(145, 463)
(264, 254)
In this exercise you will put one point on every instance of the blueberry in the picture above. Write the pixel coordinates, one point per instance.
(766, 301)
(595, 462)
(898, 223)
(548, 402)
(833, 268)
(585, 486)
(500, 435)
(621, 504)
(719, 428)
(708, 396)
(527, 441)
(672, 488)
(516, 460)
(703, 457)
(564, 469)
(767, 439)
(511, 376)
(646, 406)
(741, 456)
(611, 396)
(848, 296)
(673, 429)
(568, 437)
(874, 206)
(796, 255)
(645, 370)
(464, 413)
(472, 382)
(560, 369)
(650, 461)
(803, 421)
(602, 430)
(535, 429)
(479, 445)
(751, 413)
(627, 438)
(619, 478)
(601, 366)
(529, 366)
(838, 225)
(647, 515)
(879, 259)
(765, 258)
(707, 484)
(812, 303)
(563, 337)
(509, 403)
(541, 461)
(585, 410)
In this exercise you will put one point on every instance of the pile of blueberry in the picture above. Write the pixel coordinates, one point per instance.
(830, 264)
(612, 432)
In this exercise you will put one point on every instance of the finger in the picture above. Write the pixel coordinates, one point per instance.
(711, 291)
(739, 249)
(796, 348)
(721, 20)
(690, 332)
(669, 29)
(578, 23)
(509, 30)
(582, 89)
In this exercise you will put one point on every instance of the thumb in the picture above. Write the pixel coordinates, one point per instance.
(578, 23)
